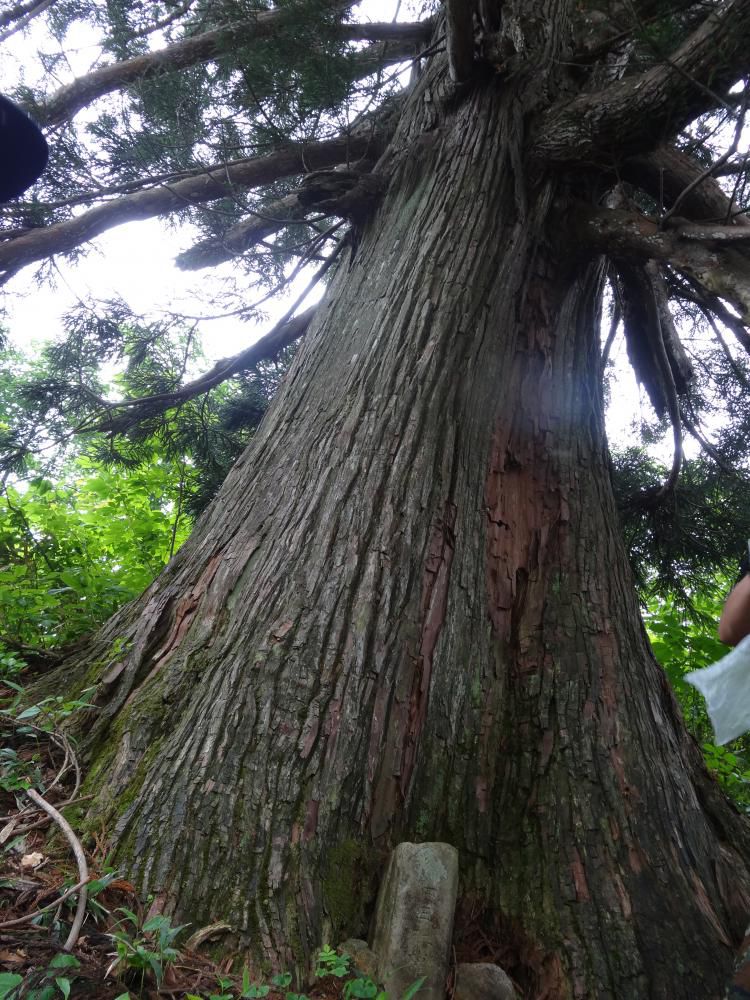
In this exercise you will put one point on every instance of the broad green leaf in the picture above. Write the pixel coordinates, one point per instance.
(64, 986)
(8, 982)
(64, 961)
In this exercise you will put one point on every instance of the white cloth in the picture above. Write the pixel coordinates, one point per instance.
(726, 687)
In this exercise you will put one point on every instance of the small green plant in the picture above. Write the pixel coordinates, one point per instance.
(144, 950)
(731, 771)
(330, 963)
(363, 988)
(18, 773)
(50, 984)
(249, 990)
(50, 710)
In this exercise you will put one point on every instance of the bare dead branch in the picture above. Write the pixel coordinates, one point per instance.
(709, 449)
(170, 18)
(83, 868)
(28, 917)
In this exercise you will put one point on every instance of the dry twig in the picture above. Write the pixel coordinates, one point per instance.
(83, 868)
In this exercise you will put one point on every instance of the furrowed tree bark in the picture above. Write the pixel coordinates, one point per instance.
(409, 614)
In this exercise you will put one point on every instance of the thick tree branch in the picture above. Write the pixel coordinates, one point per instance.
(346, 194)
(459, 33)
(201, 48)
(243, 235)
(636, 113)
(25, 14)
(216, 182)
(667, 173)
(697, 251)
(20, 10)
(128, 413)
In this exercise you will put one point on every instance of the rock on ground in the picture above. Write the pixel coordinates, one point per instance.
(363, 959)
(480, 981)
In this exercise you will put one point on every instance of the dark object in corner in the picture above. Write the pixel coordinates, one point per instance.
(23, 150)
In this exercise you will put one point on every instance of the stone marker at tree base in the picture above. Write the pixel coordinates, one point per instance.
(414, 918)
(482, 981)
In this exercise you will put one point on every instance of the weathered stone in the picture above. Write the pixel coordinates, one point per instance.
(482, 981)
(414, 918)
(363, 959)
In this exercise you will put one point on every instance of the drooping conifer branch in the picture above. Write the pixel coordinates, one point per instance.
(691, 291)
(639, 321)
(215, 182)
(21, 15)
(680, 366)
(125, 414)
(20, 10)
(68, 100)
(344, 193)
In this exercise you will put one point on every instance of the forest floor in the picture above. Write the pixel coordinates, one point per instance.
(122, 950)
(113, 957)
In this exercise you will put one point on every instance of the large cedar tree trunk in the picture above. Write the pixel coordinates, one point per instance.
(409, 616)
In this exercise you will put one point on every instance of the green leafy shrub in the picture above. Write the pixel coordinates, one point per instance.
(683, 641)
(71, 553)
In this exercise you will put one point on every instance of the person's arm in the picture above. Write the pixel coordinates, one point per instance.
(734, 624)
